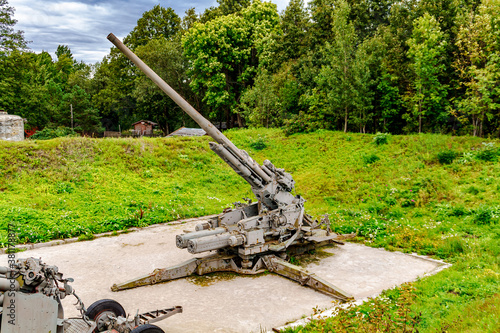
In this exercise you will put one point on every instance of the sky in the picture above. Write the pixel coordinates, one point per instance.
(83, 25)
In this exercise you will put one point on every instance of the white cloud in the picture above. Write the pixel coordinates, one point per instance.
(84, 24)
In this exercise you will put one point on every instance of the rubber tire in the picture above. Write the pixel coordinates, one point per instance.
(103, 305)
(148, 328)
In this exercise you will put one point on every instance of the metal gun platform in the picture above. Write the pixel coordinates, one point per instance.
(232, 263)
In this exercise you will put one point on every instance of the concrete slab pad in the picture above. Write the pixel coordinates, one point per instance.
(239, 304)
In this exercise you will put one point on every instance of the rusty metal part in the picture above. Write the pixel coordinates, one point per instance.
(198, 266)
(157, 315)
(305, 278)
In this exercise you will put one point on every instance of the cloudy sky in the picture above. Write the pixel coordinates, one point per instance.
(84, 24)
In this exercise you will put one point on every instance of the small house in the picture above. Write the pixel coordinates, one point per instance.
(143, 127)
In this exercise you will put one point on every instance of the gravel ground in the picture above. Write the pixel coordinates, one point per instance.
(238, 304)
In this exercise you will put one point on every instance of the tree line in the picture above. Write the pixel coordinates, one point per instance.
(366, 66)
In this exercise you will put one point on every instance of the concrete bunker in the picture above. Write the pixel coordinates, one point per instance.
(11, 127)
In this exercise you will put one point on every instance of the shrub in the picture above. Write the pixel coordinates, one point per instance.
(370, 159)
(467, 157)
(472, 190)
(483, 215)
(378, 208)
(380, 138)
(51, 133)
(259, 143)
(391, 201)
(488, 153)
(446, 157)
(452, 246)
(63, 187)
(395, 213)
(458, 211)
(302, 123)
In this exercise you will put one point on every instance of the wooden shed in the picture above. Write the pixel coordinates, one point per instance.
(143, 127)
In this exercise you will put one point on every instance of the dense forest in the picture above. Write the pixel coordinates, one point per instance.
(365, 66)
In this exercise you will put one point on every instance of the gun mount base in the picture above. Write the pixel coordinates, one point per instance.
(198, 266)
(233, 263)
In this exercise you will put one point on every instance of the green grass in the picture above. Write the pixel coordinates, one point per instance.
(407, 194)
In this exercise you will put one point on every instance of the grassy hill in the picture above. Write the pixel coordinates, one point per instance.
(431, 194)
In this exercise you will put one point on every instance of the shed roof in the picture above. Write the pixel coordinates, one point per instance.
(184, 131)
(146, 121)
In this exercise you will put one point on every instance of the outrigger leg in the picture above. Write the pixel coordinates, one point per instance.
(199, 266)
(302, 276)
(227, 263)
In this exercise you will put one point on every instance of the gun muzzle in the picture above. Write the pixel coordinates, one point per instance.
(209, 243)
(182, 240)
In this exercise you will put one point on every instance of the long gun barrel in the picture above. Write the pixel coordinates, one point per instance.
(243, 164)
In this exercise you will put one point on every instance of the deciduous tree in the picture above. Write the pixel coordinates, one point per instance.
(10, 39)
(165, 57)
(154, 23)
(426, 49)
(478, 65)
(224, 56)
(345, 78)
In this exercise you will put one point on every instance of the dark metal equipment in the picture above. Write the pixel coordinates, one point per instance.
(30, 301)
(253, 236)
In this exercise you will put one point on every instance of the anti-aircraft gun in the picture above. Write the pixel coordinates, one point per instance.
(252, 237)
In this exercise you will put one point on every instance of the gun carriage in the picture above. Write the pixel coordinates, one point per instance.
(253, 236)
(30, 301)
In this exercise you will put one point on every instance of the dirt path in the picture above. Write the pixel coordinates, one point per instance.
(239, 304)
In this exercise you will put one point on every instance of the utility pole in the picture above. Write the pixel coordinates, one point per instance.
(71, 107)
